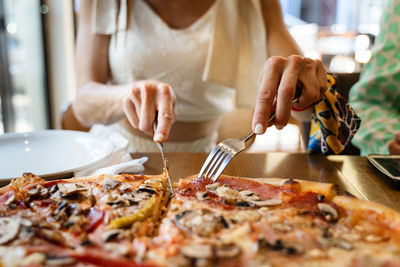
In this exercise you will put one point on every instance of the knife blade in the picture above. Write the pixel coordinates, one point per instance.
(164, 159)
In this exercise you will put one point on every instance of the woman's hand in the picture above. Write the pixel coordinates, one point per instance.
(394, 145)
(142, 102)
(278, 82)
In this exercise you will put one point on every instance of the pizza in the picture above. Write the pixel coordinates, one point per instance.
(88, 220)
(130, 220)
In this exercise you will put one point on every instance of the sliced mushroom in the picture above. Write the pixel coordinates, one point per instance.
(246, 216)
(267, 202)
(112, 235)
(52, 235)
(9, 228)
(343, 244)
(212, 187)
(146, 187)
(124, 187)
(109, 183)
(227, 251)
(197, 251)
(375, 238)
(248, 195)
(282, 227)
(282, 247)
(69, 189)
(60, 261)
(203, 222)
(34, 259)
(229, 195)
(38, 191)
(202, 195)
(328, 212)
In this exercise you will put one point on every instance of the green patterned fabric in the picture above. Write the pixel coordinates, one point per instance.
(376, 96)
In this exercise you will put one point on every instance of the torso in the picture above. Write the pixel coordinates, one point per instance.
(187, 22)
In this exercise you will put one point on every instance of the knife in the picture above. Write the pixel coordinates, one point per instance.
(164, 159)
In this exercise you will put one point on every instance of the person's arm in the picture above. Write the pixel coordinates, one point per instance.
(284, 71)
(376, 96)
(99, 102)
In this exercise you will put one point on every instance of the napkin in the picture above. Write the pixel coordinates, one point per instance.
(119, 160)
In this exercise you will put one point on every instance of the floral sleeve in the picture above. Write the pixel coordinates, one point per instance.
(376, 96)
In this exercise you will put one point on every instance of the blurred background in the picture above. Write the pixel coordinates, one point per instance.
(37, 79)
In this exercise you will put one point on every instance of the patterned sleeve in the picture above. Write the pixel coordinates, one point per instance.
(376, 96)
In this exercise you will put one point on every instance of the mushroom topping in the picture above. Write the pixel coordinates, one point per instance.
(374, 238)
(52, 236)
(38, 191)
(111, 235)
(34, 259)
(124, 187)
(328, 212)
(9, 228)
(248, 195)
(202, 222)
(230, 195)
(202, 195)
(267, 202)
(69, 189)
(282, 227)
(212, 187)
(227, 251)
(280, 246)
(202, 251)
(109, 183)
(60, 261)
(343, 244)
(146, 187)
(246, 215)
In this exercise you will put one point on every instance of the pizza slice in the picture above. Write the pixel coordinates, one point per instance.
(90, 220)
(272, 222)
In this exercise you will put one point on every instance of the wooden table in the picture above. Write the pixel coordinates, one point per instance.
(352, 174)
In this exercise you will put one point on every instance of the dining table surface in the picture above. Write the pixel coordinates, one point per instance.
(353, 175)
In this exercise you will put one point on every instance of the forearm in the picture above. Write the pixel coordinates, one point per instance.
(378, 127)
(99, 103)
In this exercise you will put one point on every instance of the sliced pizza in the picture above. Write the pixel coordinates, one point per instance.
(89, 220)
(272, 222)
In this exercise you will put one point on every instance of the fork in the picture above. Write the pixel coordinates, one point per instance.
(224, 152)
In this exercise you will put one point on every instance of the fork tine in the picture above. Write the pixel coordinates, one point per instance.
(208, 160)
(224, 153)
(215, 159)
(222, 167)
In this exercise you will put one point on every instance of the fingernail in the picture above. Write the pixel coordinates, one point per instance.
(259, 129)
(158, 137)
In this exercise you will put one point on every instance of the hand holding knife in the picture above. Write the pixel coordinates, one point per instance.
(164, 159)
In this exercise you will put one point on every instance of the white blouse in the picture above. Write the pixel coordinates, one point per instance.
(222, 51)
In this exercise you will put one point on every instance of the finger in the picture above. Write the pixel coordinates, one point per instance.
(165, 106)
(148, 108)
(287, 91)
(321, 73)
(310, 91)
(130, 112)
(394, 147)
(269, 83)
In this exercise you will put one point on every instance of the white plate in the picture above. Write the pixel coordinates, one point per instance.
(50, 152)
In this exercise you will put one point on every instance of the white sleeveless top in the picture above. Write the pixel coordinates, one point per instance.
(206, 64)
(150, 49)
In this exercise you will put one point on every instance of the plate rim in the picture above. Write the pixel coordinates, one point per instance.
(105, 141)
